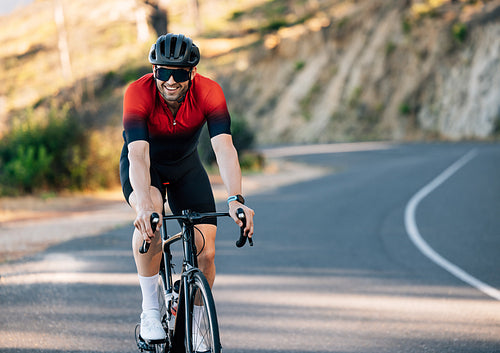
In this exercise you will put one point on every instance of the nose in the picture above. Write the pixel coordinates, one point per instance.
(171, 80)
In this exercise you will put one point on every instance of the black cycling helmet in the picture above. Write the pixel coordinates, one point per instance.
(174, 50)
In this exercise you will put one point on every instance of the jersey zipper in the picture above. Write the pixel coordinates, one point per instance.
(178, 112)
(168, 113)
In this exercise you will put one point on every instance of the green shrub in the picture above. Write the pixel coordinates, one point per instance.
(459, 31)
(390, 47)
(55, 154)
(34, 154)
(406, 26)
(299, 65)
(243, 139)
(274, 25)
(29, 165)
(405, 108)
(251, 161)
(237, 15)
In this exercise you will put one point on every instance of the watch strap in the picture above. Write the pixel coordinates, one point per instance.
(238, 198)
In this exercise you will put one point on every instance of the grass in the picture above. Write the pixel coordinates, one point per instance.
(307, 102)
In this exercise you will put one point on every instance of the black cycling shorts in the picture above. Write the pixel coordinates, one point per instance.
(184, 184)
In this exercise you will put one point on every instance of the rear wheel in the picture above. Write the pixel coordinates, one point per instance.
(202, 317)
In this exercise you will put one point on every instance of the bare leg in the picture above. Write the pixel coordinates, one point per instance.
(206, 259)
(148, 264)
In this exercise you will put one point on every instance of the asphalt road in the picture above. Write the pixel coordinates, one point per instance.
(333, 269)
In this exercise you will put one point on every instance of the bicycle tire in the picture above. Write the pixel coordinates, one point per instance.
(205, 328)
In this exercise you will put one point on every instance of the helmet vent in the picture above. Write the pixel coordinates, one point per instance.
(174, 50)
(171, 53)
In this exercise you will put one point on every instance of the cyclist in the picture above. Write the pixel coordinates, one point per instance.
(163, 113)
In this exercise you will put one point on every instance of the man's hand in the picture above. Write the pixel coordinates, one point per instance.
(249, 213)
(143, 224)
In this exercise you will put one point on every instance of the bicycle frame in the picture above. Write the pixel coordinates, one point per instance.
(189, 248)
(190, 274)
(189, 264)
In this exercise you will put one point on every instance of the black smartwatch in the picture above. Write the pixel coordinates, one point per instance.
(238, 198)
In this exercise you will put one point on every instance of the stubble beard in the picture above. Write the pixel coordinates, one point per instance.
(173, 96)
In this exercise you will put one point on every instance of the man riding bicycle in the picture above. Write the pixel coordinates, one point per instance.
(163, 114)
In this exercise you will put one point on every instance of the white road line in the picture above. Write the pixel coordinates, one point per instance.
(279, 152)
(421, 244)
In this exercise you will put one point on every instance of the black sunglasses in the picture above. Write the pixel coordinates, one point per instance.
(180, 75)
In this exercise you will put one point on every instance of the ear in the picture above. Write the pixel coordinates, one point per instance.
(193, 72)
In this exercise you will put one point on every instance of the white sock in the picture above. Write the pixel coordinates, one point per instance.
(197, 314)
(198, 319)
(149, 289)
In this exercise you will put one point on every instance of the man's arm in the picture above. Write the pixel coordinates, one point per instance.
(140, 179)
(230, 171)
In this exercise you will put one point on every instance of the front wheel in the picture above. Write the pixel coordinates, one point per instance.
(202, 317)
(163, 306)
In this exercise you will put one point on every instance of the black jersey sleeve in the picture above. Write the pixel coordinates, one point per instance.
(217, 114)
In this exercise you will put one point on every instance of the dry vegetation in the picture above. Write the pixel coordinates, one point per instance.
(296, 70)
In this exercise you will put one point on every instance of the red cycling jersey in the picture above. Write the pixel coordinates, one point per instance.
(146, 116)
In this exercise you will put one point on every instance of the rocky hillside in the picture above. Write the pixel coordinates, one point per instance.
(297, 71)
(375, 69)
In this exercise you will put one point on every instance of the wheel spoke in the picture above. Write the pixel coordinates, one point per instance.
(205, 331)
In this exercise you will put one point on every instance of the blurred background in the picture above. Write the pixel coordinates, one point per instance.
(293, 72)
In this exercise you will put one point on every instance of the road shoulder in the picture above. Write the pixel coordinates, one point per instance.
(31, 224)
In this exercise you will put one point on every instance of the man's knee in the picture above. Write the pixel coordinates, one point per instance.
(205, 243)
(155, 195)
(207, 256)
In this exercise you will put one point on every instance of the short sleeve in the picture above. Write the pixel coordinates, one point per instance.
(217, 114)
(136, 110)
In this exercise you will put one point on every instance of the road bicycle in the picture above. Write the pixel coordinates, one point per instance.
(187, 306)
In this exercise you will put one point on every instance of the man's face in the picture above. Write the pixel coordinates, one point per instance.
(171, 90)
